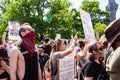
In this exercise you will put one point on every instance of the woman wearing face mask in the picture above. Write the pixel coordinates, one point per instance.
(94, 68)
(58, 51)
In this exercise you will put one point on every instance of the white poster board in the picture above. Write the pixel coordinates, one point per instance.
(87, 25)
(13, 31)
(66, 68)
(58, 36)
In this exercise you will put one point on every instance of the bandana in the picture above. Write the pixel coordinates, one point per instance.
(28, 41)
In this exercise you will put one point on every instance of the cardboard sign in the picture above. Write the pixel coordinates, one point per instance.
(13, 31)
(87, 25)
(66, 68)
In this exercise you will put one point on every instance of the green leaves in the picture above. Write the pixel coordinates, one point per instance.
(99, 18)
(51, 16)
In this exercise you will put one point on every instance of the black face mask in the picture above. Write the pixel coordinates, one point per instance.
(46, 40)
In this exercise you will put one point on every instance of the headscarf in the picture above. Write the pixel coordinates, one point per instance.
(28, 41)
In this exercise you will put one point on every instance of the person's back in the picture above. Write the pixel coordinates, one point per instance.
(31, 64)
(112, 34)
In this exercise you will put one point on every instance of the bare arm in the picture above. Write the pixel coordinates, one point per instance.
(88, 78)
(68, 51)
(71, 48)
(4, 36)
(83, 53)
(13, 63)
(39, 72)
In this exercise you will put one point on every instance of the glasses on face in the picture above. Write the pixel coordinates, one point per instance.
(101, 48)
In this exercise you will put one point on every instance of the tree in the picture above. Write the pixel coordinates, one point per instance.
(99, 27)
(59, 17)
(31, 11)
(59, 10)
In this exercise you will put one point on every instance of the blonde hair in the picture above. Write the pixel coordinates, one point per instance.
(27, 26)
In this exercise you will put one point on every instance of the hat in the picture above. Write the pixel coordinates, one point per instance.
(112, 31)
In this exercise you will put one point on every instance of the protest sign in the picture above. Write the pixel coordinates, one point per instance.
(58, 36)
(87, 25)
(13, 31)
(66, 68)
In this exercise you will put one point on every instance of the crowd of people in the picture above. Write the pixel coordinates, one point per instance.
(24, 60)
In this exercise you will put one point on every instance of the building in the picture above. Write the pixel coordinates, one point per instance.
(112, 8)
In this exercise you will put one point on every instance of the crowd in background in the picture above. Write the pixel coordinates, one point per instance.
(25, 60)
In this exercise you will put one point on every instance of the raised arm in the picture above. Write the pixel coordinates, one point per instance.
(71, 48)
(83, 52)
(4, 36)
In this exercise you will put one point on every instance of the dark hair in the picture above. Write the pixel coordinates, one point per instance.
(81, 44)
(92, 47)
(3, 53)
(41, 46)
(56, 45)
(46, 38)
(65, 42)
(21, 30)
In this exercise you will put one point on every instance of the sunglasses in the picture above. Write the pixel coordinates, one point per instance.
(101, 48)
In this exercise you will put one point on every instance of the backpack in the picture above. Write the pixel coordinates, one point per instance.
(47, 72)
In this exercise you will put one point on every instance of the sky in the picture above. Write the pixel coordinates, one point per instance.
(103, 3)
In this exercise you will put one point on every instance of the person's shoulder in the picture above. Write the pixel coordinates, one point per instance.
(14, 49)
(90, 64)
(117, 52)
(118, 49)
(56, 55)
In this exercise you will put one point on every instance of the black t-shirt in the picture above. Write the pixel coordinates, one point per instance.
(4, 75)
(92, 69)
(43, 59)
(48, 49)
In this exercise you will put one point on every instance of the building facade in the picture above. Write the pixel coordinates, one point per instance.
(112, 8)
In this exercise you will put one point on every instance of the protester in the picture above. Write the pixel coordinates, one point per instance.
(24, 63)
(47, 45)
(58, 51)
(94, 68)
(7, 42)
(4, 64)
(43, 57)
(81, 56)
(112, 34)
